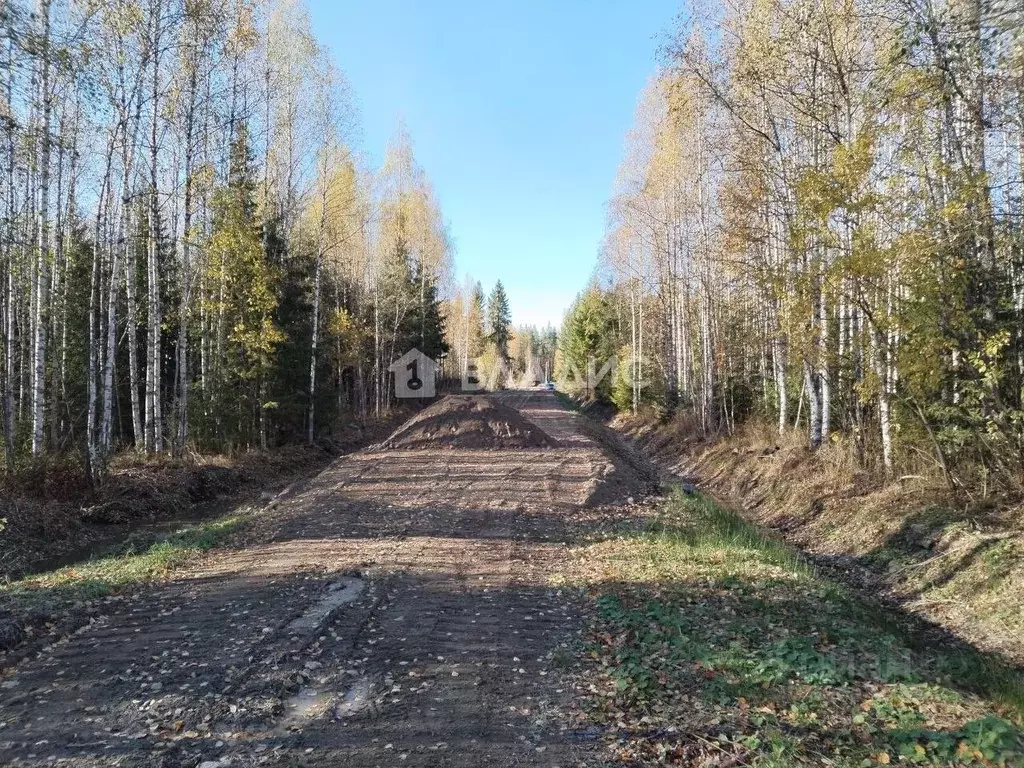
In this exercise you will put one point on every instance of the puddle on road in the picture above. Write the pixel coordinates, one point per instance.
(306, 705)
(310, 704)
(356, 699)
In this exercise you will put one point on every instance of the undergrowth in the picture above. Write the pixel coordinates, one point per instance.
(134, 563)
(716, 644)
(956, 559)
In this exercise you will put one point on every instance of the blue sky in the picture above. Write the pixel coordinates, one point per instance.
(517, 112)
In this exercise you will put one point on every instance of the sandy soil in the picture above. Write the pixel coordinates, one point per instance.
(401, 608)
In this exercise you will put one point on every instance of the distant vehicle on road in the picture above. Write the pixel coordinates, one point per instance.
(549, 386)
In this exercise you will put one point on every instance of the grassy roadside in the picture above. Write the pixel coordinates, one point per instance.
(955, 560)
(53, 517)
(567, 400)
(144, 491)
(38, 609)
(132, 563)
(712, 644)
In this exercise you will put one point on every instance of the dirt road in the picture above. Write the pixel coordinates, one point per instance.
(401, 608)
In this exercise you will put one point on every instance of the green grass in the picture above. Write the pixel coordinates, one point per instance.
(133, 564)
(567, 400)
(713, 641)
(695, 524)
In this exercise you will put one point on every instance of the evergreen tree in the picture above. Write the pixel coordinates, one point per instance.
(427, 323)
(499, 320)
(294, 316)
(477, 314)
(244, 302)
(168, 276)
(587, 344)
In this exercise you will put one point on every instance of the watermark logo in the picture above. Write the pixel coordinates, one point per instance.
(415, 375)
(629, 372)
(477, 377)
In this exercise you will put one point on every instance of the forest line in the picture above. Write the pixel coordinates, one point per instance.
(195, 254)
(818, 223)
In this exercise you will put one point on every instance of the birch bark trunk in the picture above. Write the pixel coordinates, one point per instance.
(9, 303)
(40, 278)
(154, 417)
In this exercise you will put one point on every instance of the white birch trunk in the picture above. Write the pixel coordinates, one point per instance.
(40, 278)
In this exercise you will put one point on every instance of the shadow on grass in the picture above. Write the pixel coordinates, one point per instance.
(913, 546)
(736, 641)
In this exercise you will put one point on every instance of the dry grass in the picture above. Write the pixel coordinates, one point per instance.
(49, 513)
(57, 514)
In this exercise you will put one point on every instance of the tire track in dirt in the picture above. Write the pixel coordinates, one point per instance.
(448, 657)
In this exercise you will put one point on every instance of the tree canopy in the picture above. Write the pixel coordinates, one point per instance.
(816, 222)
(194, 255)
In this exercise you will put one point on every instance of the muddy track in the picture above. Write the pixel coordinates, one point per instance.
(402, 608)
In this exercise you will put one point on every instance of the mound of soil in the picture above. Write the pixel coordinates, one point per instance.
(469, 421)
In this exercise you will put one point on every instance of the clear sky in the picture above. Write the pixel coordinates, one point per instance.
(517, 112)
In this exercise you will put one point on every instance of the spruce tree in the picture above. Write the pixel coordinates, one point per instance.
(477, 315)
(587, 342)
(429, 321)
(499, 319)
